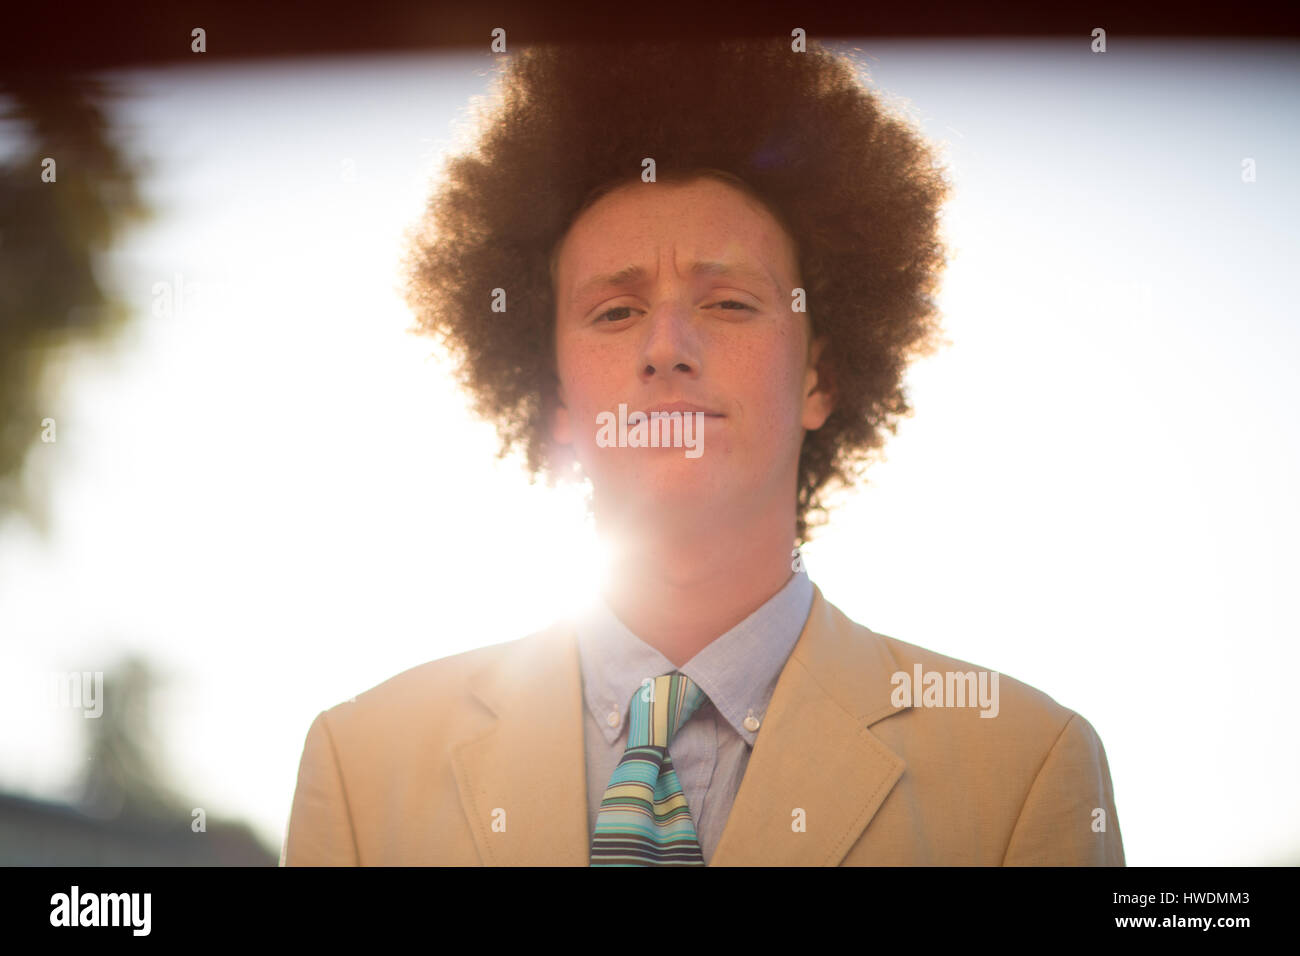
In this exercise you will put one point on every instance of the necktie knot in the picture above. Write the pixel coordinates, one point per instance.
(660, 707)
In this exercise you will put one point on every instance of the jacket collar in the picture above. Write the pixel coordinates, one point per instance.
(738, 670)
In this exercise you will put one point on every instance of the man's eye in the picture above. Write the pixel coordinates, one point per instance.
(609, 316)
(617, 308)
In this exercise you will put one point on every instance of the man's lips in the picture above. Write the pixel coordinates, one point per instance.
(683, 407)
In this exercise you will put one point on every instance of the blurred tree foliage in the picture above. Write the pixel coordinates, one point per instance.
(52, 239)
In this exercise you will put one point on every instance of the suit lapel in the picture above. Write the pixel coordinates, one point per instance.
(531, 762)
(814, 753)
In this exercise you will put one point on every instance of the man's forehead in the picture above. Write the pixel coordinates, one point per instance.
(737, 264)
(728, 237)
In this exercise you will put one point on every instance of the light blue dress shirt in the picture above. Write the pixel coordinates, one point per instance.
(738, 671)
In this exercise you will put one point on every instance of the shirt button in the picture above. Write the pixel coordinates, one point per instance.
(751, 723)
(613, 718)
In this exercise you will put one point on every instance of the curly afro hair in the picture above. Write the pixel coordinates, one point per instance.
(858, 189)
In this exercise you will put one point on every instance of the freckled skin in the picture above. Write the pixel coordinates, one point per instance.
(699, 543)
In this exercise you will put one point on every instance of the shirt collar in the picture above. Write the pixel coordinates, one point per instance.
(738, 670)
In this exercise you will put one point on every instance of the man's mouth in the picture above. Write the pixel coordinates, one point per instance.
(668, 407)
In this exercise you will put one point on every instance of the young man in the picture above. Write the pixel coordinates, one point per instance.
(737, 235)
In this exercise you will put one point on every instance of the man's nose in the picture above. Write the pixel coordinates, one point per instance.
(672, 340)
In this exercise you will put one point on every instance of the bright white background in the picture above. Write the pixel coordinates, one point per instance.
(278, 496)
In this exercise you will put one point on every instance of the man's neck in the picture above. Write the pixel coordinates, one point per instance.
(680, 595)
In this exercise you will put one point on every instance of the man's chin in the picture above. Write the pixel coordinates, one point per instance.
(685, 494)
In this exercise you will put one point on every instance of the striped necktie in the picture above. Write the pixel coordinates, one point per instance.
(643, 819)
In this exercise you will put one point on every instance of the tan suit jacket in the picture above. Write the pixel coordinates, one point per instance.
(478, 759)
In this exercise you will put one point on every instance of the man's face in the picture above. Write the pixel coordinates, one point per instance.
(668, 331)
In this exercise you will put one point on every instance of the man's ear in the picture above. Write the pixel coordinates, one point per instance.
(818, 397)
(561, 428)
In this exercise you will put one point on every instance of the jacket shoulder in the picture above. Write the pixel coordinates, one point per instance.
(436, 697)
(954, 706)
(1022, 702)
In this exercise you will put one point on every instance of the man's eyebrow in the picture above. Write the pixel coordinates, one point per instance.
(632, 275)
